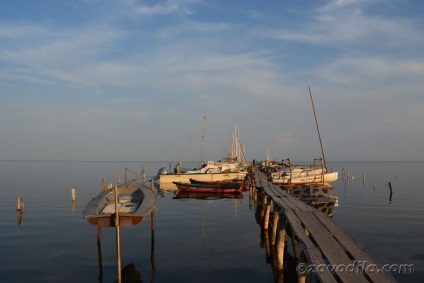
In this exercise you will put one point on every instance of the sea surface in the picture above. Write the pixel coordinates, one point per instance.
(194, 240)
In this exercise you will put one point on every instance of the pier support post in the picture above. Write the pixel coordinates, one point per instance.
(118, 236)
(281, 242)
(267, 213)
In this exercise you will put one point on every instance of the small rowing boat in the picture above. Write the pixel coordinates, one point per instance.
(135, 201)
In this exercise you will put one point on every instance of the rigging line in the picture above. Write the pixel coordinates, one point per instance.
(191, 140)
(220, 143)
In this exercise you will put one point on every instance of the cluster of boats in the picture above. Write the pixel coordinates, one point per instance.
(287, 174)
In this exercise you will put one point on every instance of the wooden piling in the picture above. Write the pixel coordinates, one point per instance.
(125, 179)
(143, 173)
(119, 177)
(391, 191)
(103, 184)
(73, 194)
(267, 213)
(274, 227)
(20, 204)
(118, 236)
(152, 243)
(99, 253)
(281, 243)
(152, 185)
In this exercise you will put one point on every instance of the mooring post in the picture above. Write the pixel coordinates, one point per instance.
(152, 185)
(118, 236)
(99, 253)
(20, 203)
(73, 194)
(103, 184)
(143, 173)
(152, 243)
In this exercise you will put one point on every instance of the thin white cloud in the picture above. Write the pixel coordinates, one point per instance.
(367, 70)
(159, 7)
(344, 24)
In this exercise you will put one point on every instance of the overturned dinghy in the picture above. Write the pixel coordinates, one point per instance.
(135, 202)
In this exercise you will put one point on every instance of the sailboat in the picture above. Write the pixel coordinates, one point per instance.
(312, 175)
(210, 171)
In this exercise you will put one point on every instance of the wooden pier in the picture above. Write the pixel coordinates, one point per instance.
(328, 254)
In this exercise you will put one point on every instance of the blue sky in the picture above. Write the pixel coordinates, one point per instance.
(132, 79)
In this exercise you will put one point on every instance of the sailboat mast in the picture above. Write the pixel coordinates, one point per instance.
(202, 149)
(319, 135)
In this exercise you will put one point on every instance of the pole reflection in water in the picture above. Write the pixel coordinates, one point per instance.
(129, 274)
(20, 216)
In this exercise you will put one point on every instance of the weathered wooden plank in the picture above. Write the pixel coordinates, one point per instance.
(314, 254)
(330, 247)
(355, 249)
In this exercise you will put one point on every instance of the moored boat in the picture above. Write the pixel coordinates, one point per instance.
(209, 188)
(311, 179)
(135, 202)
(240, 183)
(208, 196)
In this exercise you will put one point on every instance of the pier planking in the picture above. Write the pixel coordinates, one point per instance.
(324, 241)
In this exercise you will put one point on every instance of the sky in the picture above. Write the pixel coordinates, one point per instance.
(131, 80)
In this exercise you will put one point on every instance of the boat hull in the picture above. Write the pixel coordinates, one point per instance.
(207, 188)
(165, 179)
(135, 202)
(328, 177)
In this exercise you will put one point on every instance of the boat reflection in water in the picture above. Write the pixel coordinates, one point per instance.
(201, 195)
(317, 196)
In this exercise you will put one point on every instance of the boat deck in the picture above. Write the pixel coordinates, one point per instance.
(325, 244)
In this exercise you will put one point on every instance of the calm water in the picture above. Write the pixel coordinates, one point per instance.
(195, 240)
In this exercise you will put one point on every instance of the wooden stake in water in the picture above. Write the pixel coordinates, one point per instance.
(20, 203)
(391, 191)
(73, 194)
(118, 236)
(143, 173)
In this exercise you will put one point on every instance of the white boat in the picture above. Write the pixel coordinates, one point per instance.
(311, 179)
(211, 172)
(231, 169)
(296, 172)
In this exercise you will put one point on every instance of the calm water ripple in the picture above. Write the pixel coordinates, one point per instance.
(195, 240)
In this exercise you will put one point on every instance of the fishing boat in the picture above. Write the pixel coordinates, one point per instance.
(221, 187)
(207, 171)
(135, 202)
(309, 179)
(207, 196)
(241, 183)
